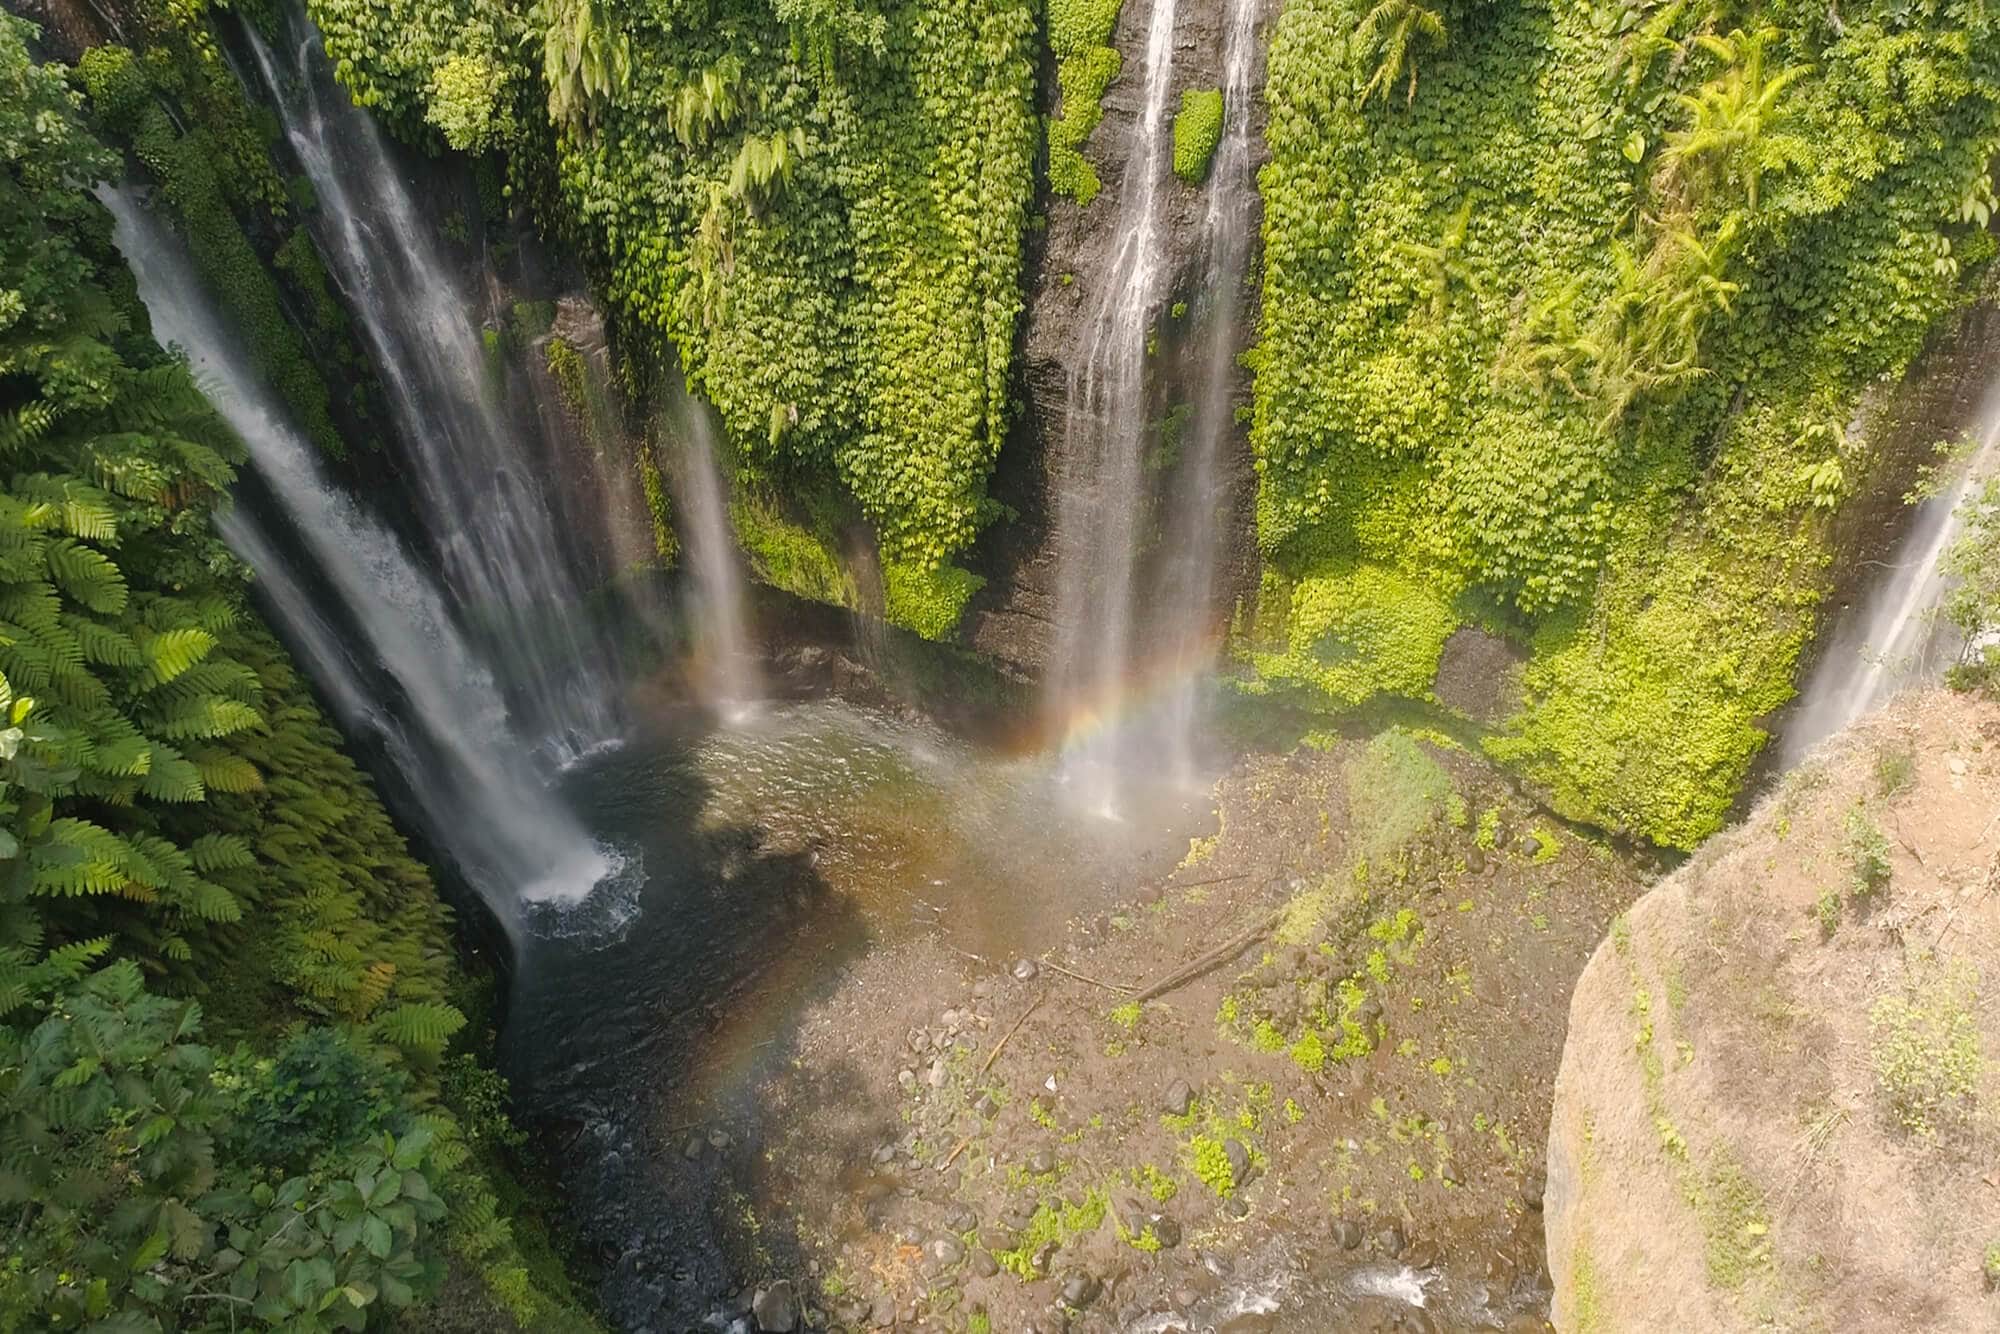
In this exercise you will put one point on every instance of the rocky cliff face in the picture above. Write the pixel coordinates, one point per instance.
(1776, 1101)
(1013, 619)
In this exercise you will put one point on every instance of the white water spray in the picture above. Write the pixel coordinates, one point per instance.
(370, 622)
(479, 475)
(1893, 638)
(727, 675)
(1101, 491)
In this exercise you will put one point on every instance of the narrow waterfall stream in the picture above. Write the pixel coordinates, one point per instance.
(369, 621)
(726, 672)
(1892, 639)
(1201, 506)
(1102, 494)
(478, 466)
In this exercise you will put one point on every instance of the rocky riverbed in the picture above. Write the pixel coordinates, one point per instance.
(1301, 1082)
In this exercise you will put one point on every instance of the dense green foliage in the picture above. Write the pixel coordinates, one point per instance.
(1972, 607)
(177, 820)
(1197, 130)
(1565, 338)
(820, 205)
(1086, 63)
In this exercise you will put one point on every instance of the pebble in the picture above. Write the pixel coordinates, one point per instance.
(719, 1138)
(1080, 1290)
(908, 1079)
(986, 1106)
(882, 1312)
(918, 1040)
(1042, 1162)
(692, 1149)
(1956, 765)
(961, 1218)
(946, 1252)
(1347, 1233)
(1024, 970)
(884, 1155)
(1167, 1229)
(1180, 1097)
(1184, 1299)
(996, 1238)
(1239, 1159)
(1533, 1188)
(1390, 1240)
(982, 989)
(776, 1308)
(1235, 1207)
(1419, 1255)
(938, 1074)
(984, 1265)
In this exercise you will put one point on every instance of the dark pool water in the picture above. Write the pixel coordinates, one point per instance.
(753, 862)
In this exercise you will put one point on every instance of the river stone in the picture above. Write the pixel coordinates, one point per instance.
(986, 1106)
(1025, 970)
(882, 1312)
(938, 1074)
(776, 1308)
(908, 1080)
(946, 1252)
(996, 1238)
(1042, 1162)
(961, 1218)
(884, 1154)
(719, 1138)
(1347, 1234)
(1167, 1229)
(1390, 1240)
(984, 1265)
(1080, 1290)
(692, 1149)
(1239, 1159)
(1180, 1097)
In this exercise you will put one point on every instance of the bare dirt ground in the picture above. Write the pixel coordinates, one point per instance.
(1775, 1111)
(1337, 1123)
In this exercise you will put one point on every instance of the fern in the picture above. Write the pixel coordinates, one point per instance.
(422, 1027)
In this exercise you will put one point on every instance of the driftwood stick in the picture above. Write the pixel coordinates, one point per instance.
(1212, 880)
(952, 1157)
(1070, 972)
(1221, 954)
(994, 1055)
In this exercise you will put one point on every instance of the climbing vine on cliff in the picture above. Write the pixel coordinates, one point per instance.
(1567, 310)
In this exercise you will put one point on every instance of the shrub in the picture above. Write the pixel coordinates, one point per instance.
(1925, 1049)
(468, 103)
(1197, 130)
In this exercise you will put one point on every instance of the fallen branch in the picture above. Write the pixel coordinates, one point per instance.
(994, 1055)
(1068, 972)
(1221, 954)
(1212, 880)
(952, 1157)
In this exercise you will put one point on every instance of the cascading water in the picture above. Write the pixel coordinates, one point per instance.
(1893, 638)
(1101, 491)
(366, 619)
(477, 469)
(1188, 595)
(725, 668)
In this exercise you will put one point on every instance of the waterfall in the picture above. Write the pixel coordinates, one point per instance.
(361, 613)
(478, 470)
(1892, 638)
(726, 673)
(1201, 508)
(1101, 492)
